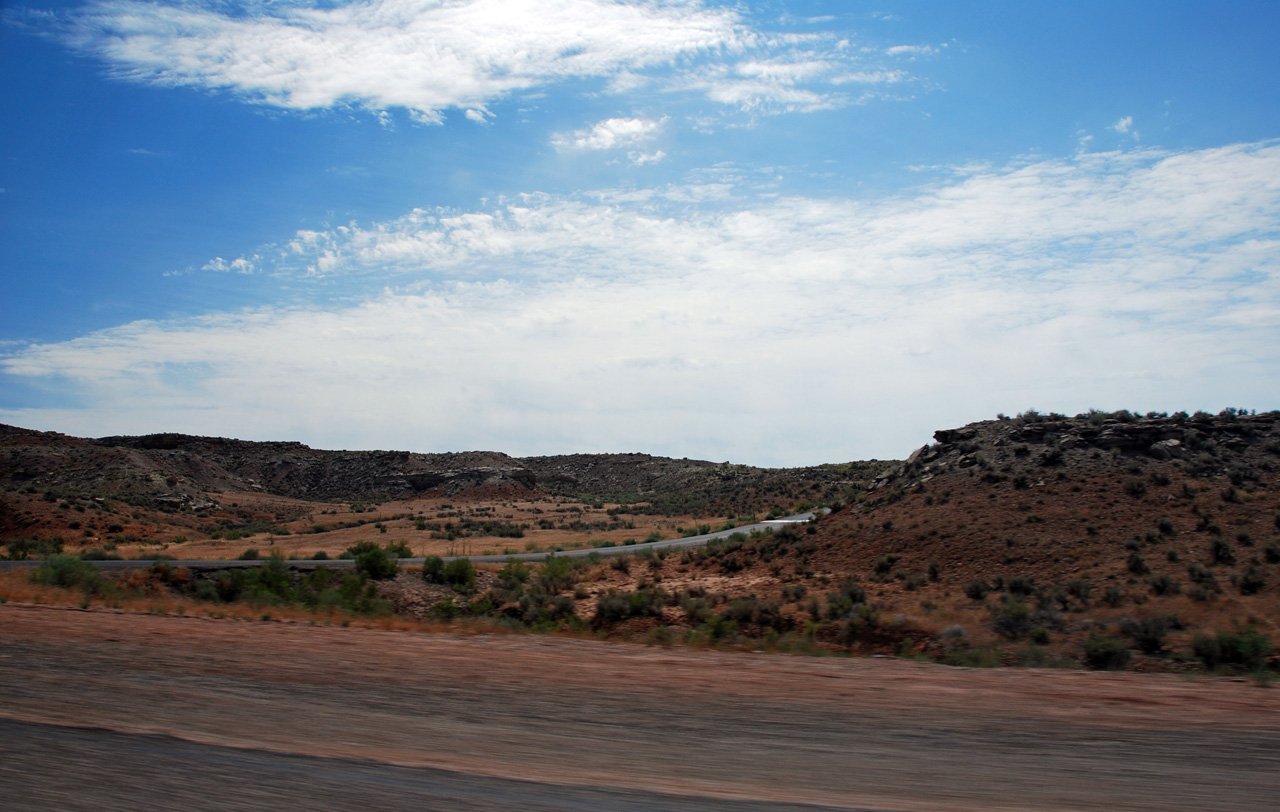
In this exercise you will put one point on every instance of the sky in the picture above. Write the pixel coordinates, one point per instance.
(778, 233)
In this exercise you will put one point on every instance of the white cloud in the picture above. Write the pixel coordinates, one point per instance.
(870, 77)
(750, 88)
(429, 56)
(425, 56)
(238, 265)
(642, 158)
(1125, 127)
(612, 133)
(687, 319)
(911, 50)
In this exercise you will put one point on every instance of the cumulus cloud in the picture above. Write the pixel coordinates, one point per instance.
(691, 321)
(429, 56)
(1125, 127)
(611, 133)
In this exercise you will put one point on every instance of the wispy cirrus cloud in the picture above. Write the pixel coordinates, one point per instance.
(686, 319)
(911, 51)
(430, 56)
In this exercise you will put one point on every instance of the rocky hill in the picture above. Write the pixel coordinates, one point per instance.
(1029, 539)
(188, 472)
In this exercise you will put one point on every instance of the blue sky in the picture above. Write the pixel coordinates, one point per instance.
(776, 233)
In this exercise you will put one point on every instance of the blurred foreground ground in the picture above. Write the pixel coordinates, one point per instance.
(105, 710)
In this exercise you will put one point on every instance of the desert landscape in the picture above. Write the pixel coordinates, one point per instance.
(1081, 586)
(621, 405)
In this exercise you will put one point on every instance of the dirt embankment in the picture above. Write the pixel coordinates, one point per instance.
(843, 733)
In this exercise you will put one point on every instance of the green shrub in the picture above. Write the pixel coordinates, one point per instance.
(542, 611)
(719, 628)
(1221, 552)
(205, 590)
(460, 574)
(1148, 634)
(972, 656)
(842, 603)
(358, 549)
(377, 565)
(1252, 581)
(398, 549)
(1137, 564)
(22, 549)
(69, 572)
(613, 607)
(976, 589)
(1105, 653)
(558, 573)
(884, 564)
(1245, 648)
(1080, 589)
(1012, 619)
(1135, 488)
(751, 610)
(433, 569)
(513, 576)
(1020, 585)
(250, 554)
(1164, 585)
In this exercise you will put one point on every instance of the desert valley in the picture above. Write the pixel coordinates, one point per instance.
(1050, 553)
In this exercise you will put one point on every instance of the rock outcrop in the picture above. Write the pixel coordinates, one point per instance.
(1235, 443)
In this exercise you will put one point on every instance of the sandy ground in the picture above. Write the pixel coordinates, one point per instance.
(112, 710)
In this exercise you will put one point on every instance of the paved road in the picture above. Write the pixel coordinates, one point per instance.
(339, 563)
